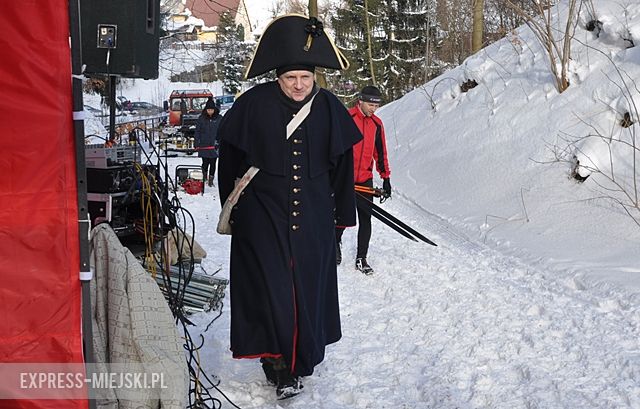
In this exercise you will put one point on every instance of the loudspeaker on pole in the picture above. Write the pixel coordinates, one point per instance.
(120, 37)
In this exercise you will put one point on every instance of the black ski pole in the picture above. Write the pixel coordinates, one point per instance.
(396, 220)
(373, 212)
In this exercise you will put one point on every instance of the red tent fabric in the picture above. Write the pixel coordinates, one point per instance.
(39, 248)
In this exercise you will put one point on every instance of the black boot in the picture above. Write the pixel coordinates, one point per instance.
(338, 253)
(288, 385)
(210, 181)
(363, 266)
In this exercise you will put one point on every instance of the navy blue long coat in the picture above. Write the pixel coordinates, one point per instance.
(284, 295)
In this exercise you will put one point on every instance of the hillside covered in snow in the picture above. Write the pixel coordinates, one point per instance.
(498, 159)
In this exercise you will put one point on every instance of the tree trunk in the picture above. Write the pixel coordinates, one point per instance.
(313, 12)
(313, 8)
(366, 18)
(478, 23)
(427, 52)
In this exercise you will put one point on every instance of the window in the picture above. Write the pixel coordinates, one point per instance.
(175, 104)
(198, 103)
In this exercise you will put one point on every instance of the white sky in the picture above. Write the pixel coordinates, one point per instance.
(532, 298)
(261, 11)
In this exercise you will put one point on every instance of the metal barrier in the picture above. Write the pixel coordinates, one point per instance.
(151, 125)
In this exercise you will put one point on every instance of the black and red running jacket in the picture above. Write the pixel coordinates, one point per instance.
(371, 149)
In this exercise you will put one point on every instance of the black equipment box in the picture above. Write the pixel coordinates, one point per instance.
(117, 179)
(112, 180)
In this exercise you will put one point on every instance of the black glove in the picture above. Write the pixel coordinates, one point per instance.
(386, 186)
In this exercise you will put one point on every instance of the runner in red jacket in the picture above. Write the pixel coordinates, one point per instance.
(369, 152)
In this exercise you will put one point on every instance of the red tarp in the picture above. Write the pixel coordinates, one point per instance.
(39, 251)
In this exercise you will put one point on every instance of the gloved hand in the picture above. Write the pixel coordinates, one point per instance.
(386, 186)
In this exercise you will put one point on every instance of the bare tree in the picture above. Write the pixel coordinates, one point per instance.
(556, 43)
(368, 31)
(609, 158)
(297, 6)
(454, 17)
(478, 25)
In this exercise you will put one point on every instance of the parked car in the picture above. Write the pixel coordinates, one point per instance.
(123, 103)
(225, 102)
(104, 112)
(145, 108)
(94, 111)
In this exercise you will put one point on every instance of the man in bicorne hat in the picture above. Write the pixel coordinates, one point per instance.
(284, 295)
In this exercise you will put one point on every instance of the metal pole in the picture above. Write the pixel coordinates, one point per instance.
(81, 174)
(112, 107)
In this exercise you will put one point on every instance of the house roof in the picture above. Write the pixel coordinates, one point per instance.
(187, 25)
(210, 10)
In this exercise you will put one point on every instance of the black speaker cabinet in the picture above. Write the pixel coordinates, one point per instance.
(120, 37)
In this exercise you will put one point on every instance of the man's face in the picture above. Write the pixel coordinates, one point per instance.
(368, 108)
(296, 84)
(210, 111)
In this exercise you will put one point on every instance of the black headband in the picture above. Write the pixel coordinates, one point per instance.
(374, 99)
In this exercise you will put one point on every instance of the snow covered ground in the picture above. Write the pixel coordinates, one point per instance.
(532, 298)
(460, 326)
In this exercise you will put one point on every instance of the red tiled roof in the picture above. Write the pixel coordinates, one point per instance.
(210, 10)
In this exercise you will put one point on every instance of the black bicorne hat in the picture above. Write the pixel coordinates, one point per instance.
(295, 40)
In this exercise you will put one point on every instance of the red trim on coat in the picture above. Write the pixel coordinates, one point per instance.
(263, 355)
(295, 331)
(295, 323)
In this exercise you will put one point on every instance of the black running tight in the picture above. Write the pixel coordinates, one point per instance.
(364, 225)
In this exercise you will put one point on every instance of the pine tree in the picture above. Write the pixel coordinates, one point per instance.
(231, 53)
(412, 41)
(402, 35)
(351, 38)
(410, 32)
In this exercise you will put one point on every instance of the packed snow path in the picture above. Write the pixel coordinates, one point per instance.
(455, 326)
